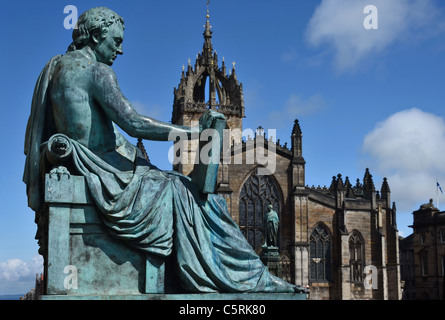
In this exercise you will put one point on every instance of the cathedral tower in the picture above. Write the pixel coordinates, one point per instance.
(207, 86)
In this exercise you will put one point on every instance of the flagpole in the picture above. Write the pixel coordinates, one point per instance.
(437, 192)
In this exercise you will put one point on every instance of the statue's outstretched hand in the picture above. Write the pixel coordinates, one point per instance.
(206, 120)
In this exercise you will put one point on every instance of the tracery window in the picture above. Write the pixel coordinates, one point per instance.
(320, 253)
(356, 257)
(257, 193)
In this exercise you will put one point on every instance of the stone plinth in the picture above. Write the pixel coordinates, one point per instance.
(82, 258)
(271, 258)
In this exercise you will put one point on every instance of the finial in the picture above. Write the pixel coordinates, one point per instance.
(207, 26)
(208, 16)
(189, 61)
(183, 67)
(233, 64)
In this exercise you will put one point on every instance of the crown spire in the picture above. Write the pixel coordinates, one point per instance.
(207, 86)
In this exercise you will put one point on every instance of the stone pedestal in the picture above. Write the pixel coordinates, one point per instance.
(271, 259)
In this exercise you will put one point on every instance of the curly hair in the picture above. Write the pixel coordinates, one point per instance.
(91, 21)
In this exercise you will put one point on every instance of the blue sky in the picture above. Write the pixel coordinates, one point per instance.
(364, 98)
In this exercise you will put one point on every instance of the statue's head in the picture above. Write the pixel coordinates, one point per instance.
(102, 30)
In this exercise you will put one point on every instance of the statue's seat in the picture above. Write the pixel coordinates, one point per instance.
(82, 259)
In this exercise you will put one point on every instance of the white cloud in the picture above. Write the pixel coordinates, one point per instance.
(17, 276)
(407, 148)
(339, 24)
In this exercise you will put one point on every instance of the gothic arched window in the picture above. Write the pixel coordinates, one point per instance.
(320, 253)
(356, 256)
(257, 193)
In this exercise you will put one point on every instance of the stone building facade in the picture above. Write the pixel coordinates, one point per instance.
(426, 246)
(407, 267)
(328, 236)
